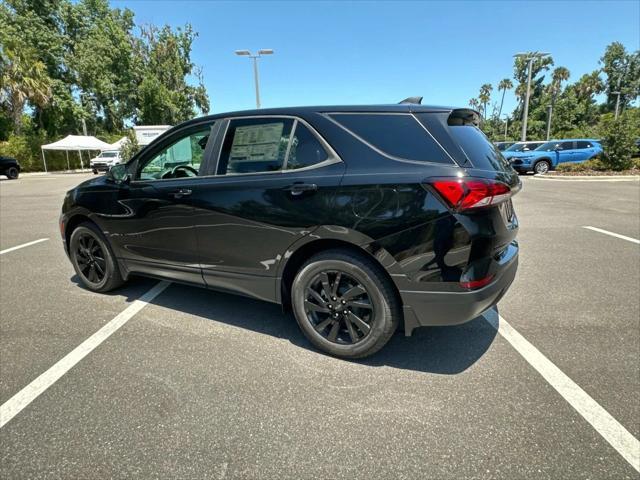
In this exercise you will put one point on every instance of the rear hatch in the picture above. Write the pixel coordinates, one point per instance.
(481, 199)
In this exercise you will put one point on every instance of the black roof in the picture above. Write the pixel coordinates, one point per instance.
(301, 111)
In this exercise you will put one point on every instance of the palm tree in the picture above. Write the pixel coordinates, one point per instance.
(23, 78)
(484, 97)
(560, 75)
(504, 85)
(475, 104)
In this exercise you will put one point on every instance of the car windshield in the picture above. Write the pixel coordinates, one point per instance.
(109, 154)
(548, 147)
(516, 147)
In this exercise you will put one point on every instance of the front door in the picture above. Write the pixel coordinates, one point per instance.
(156, 235)
(275, 182)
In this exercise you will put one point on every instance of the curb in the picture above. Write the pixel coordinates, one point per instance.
(58, 172)
(590, 178)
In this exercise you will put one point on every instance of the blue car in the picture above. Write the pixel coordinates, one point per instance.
(550, 154)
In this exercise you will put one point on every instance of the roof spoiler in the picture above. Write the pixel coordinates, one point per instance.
(412, 100)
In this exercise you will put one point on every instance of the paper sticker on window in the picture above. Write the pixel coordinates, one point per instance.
(256, 142)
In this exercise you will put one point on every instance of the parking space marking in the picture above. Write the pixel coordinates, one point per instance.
(28, 394)
(617, 235)
(611, 430)
(28, 244)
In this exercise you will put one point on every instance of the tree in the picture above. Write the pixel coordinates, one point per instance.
(23, 78)
(485, 97)
(163, 95)
(504, 85)
(622, 71)
(618, 141)
(560, 74)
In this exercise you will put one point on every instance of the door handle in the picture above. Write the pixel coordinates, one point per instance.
(299, 188)
(183, 192)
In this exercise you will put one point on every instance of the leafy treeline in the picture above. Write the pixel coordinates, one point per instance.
(69, 66)
(573, 109)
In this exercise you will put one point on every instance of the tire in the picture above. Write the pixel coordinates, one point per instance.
(13, 173)
(95, 172)
(93, 259)
(541, 167)
(362, 315)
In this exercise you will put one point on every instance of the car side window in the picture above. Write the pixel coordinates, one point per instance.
(182, 158)
(254, 145)
(305, 149)
(584, 144)
(566, 146)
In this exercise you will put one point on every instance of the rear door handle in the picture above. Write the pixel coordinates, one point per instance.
(299, 188)
(183, 192)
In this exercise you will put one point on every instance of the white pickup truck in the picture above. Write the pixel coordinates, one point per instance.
(106, 160)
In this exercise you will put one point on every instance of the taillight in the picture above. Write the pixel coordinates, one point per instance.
(468, 193)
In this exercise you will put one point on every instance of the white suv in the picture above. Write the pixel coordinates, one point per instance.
(106, 160)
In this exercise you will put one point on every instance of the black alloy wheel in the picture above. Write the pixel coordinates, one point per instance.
(345, 303)
(339, 307)
(90, 258)
(93, 259)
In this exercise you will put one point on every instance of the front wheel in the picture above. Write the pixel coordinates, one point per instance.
(13, 173)
(93, 259)
(345, 304)
(542, 167)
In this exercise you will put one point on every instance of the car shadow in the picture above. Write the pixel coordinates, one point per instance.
(130, 291)
(440, 350)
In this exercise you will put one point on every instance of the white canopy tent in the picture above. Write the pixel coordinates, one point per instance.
(119, 144)
(75, 143)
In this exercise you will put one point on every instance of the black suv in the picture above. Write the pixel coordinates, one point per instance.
(359, 219)
(9, 167)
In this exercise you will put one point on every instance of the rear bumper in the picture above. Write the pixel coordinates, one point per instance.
(429, 308)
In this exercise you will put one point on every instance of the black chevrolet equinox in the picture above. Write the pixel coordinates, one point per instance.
(359, 219)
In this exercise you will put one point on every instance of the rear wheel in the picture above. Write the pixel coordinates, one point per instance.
(93, 259)
(541, 167)
(344, 304)
(13, 173)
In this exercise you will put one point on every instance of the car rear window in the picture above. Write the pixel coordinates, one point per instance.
(395, 135)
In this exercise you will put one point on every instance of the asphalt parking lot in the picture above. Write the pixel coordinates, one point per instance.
(199, 384)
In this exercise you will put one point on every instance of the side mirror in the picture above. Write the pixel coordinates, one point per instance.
(119, 174)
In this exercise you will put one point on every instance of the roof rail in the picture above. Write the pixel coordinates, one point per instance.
(412, 100)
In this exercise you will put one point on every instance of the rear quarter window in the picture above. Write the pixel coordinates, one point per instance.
(396, 135)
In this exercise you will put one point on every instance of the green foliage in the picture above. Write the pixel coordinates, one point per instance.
(618, 142)
(63, 62)
(595, 165)
(130, 148)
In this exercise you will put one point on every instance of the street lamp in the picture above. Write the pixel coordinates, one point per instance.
(530, 57)
(247, 53)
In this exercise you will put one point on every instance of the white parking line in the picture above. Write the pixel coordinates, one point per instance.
(617, 235)
(23, 245)
(28, 394)
(611, 430)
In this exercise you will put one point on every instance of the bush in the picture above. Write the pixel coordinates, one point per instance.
(618, 142)
(591, 165)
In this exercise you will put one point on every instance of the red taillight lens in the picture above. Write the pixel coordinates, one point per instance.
(473, 284)
(466, 193)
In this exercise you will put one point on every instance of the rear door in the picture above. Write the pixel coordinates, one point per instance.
(567, 152)
(584, 150)
(274, 182)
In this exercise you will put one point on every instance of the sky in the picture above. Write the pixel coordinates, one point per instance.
(331, 53)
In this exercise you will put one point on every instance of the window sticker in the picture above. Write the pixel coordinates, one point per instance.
(256, 142)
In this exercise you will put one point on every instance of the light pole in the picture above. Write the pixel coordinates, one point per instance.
(506, 126)
(530, 57)
(247, 53)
